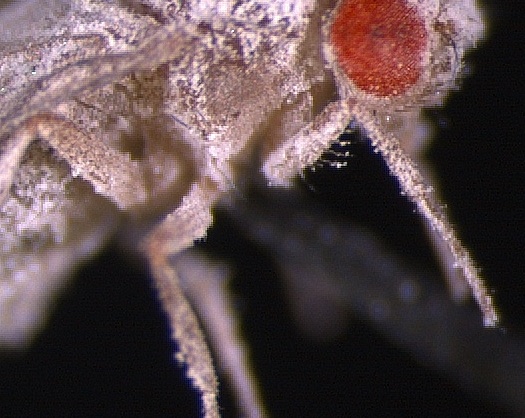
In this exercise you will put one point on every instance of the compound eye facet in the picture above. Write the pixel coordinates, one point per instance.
(379, 44)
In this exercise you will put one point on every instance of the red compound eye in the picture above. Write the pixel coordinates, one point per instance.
(379, 44)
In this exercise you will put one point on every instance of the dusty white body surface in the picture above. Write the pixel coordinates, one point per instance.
(153, 110)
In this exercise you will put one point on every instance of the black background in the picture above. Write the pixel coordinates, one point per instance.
(106, 351)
